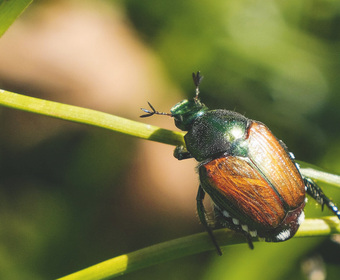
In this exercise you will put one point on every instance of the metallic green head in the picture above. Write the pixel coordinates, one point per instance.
(186, 112)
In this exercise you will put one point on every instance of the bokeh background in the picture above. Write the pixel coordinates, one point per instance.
(72, 195)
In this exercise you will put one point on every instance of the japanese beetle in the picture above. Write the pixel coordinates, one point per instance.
(254, 183)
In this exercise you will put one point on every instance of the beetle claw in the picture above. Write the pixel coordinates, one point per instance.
(315, 191)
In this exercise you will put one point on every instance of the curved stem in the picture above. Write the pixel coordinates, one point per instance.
(187, 246)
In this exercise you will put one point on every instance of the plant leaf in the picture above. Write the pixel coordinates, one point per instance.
(9, 11)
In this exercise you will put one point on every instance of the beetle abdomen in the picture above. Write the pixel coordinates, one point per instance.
(263, 190)
(246, 201)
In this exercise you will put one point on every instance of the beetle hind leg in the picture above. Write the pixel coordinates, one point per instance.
(202, 216)
(249, 240)
(315, 191)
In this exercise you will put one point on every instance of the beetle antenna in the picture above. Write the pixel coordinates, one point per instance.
(197, 81)
(153, 112)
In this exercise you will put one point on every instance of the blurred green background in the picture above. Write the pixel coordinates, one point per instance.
(72, 196)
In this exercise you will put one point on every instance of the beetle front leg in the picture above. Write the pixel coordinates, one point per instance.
(181, 152)
(314, 191)
(202, 216)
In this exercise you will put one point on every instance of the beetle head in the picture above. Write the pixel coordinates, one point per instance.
(186, 112)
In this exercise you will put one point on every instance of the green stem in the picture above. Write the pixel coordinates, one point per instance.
(321, 176)
(187, 246)
(9, 11)
(90, 117)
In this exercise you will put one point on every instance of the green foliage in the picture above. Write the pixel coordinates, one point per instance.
(9, 11)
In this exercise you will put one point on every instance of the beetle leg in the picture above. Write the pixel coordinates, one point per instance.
(250, 242)
(181, 152)
(201, 214)
(314, 191)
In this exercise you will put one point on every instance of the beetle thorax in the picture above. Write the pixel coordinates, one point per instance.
(217, 132)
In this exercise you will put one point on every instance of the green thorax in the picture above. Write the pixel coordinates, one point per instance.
(211, 133)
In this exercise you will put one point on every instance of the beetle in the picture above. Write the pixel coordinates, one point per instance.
(255, 184)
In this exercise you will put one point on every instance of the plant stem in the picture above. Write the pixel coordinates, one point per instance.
(187, 246)
(90, 117)
(9, 11)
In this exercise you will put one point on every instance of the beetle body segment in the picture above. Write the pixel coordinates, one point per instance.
(260, 187)
(217, 132)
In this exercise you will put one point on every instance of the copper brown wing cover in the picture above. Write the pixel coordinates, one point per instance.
(241, 185)
(274, 163)
(235, 186)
